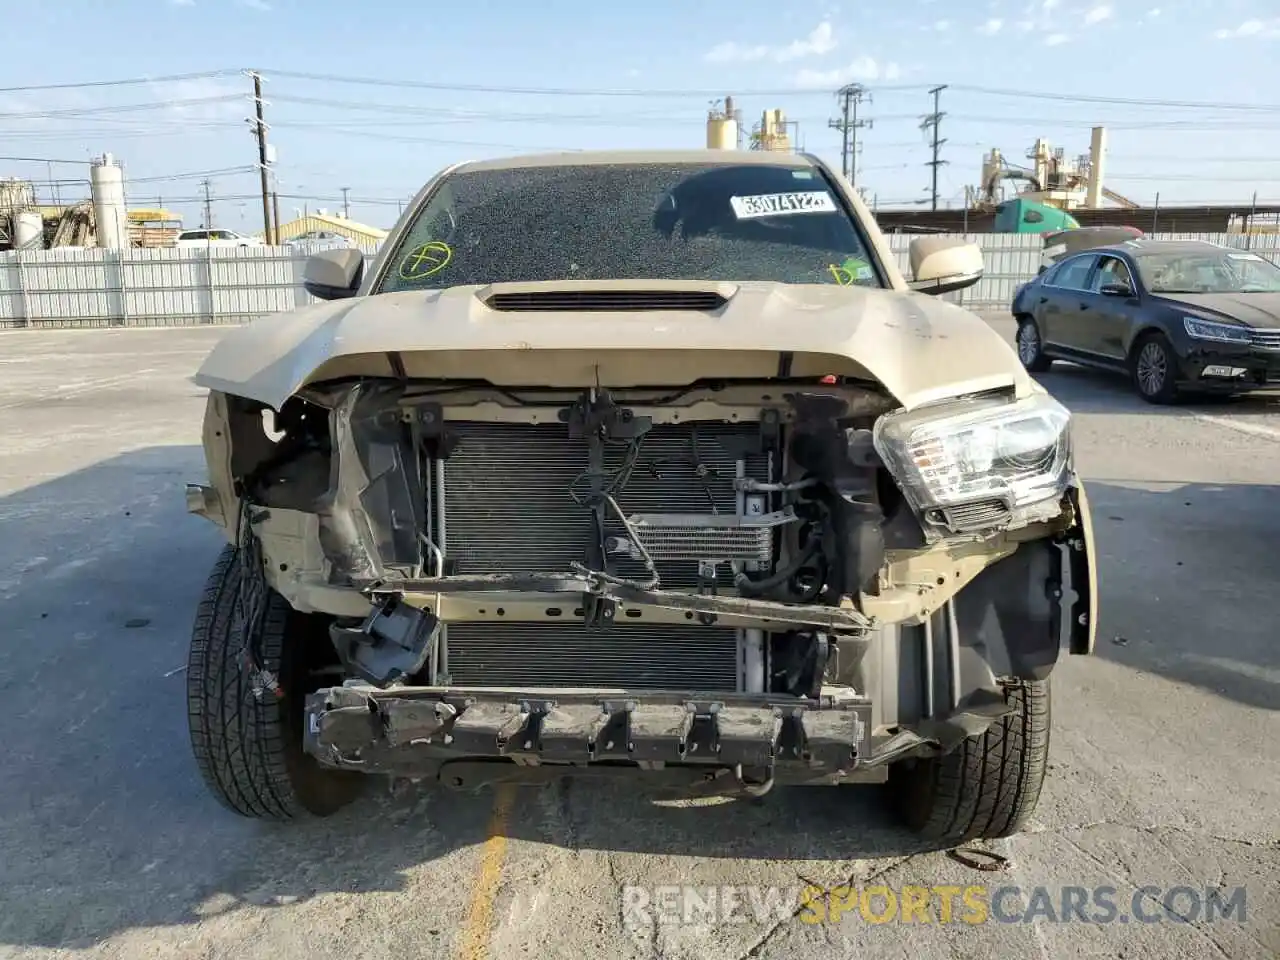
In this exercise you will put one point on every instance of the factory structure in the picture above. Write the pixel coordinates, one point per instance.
(103, 220)
(107, 222)
(725, 130)
(1053, 178)
(1051, 191)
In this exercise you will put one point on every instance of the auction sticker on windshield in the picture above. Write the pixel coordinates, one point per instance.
(782, 204)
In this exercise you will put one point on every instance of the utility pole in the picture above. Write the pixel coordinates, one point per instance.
(851, 95)
(208, 206)
(346, 207)
(931, 122)
(260, 129)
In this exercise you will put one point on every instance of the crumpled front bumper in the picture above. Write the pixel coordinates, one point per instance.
(414, 731)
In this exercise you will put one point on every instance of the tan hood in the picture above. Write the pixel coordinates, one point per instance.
(920, 348)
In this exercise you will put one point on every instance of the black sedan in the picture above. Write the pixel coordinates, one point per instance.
(1176, 316)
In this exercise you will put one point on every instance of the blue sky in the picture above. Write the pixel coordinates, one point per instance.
(382, 141)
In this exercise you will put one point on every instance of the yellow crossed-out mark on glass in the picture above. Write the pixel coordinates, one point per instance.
(425, 260)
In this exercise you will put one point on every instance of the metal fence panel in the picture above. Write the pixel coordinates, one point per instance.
(171, 287)
(165, 288)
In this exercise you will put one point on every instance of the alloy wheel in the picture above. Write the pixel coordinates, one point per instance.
(1028, 343)
(1153, 369)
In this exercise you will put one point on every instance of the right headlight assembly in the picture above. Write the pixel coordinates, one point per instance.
(975, 450)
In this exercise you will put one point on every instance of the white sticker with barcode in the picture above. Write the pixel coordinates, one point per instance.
(782, 204)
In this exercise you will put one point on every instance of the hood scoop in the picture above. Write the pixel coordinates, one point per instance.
(595, 301)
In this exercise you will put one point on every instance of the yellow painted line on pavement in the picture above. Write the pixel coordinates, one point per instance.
(474, 944)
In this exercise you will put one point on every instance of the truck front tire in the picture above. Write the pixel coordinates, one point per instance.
(986, 788)
(249, 750)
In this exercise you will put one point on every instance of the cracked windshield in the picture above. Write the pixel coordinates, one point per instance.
(654, 481)
(627, 221)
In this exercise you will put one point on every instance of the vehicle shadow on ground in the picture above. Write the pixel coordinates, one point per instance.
(1089, 390)
(106, 827)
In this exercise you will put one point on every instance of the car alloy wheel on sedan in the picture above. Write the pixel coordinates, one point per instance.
(1030, 351)
(1154, 371)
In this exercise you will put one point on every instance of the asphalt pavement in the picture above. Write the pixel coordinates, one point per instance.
(1165, 750)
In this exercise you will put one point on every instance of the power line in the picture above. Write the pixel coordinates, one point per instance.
(117, 108)
(131, 81)
(44, 160)
(1192, 178)
(1126, 101)
(792, 91)
(316, 197)
(554, 91)
(193, 175)
(686, 92)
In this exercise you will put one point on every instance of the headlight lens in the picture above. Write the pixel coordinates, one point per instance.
(979, 449)
(1221, 332)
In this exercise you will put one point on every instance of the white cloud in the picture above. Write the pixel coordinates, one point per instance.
(255, 4)
(1098, 14)
(1153, 13)
(992, 27)
(1252, 30)
(1049, 5)
(1056, 39)
(941, 25)
(821, 40)
(864, 68)
(183, 3)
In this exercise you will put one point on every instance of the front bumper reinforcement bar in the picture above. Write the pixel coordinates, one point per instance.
(395, 731)
(594, 585)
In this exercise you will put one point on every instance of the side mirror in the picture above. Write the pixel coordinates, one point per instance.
(334, 274)
(1115, 290)
(940, 265)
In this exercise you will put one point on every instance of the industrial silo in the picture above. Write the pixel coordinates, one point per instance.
(722, 127)
(106, 183)
(28, 230)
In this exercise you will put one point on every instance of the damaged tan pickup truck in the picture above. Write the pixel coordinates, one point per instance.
(641, 465)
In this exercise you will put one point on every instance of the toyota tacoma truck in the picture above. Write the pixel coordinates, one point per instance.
(643, 465)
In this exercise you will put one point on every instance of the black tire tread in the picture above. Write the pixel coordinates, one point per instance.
(242, 745)
(989, 786)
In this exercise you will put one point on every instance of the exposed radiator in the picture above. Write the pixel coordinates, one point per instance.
(508, 506)
(634, 656)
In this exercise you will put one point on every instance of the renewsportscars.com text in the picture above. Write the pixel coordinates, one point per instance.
(942, 904)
